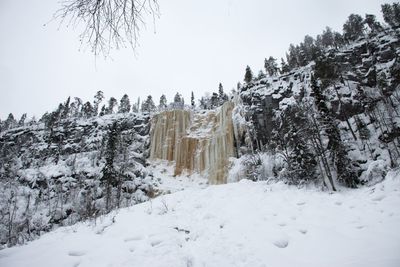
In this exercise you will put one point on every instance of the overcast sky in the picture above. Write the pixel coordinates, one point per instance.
(193, 46)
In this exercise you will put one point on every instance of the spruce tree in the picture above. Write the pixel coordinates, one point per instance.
(284, 67)
(125, 105)
(222, 97)
(87, 110)
(270, 66)
(354, 27)
(103, 111)
(346, 173)
(163, 102)
(148, 105)
(214, 100)
(248, 77)
(327, 37)
(372, 23)
(66, 109)
(109, 175)
(290, 138)
(192, 101)
(98, 98)
(21, 121)
(10, 122)
(112, 103)
(179, 102)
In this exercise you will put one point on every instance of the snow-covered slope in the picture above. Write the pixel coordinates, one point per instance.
(242, 224)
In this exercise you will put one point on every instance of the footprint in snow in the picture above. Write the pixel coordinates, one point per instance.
(303, 231)
(155, 242)
(301, 203)
(76, 253)
(133, 238)
(208, 216)
(378, 198)
(360, 226)
(338, 203)
(281, 243)
(282, 224)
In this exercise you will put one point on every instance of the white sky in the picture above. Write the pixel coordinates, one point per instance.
(196, 45)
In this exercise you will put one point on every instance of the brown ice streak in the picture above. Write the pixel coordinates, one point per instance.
(200, 142)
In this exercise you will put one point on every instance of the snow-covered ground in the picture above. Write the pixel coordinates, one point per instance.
(239, 224)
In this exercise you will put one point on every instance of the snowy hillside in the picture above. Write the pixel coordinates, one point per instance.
(242, 224)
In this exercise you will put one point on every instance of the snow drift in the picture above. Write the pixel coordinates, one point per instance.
(238, 224)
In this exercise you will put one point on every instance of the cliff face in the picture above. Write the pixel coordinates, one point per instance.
(200, 142)
(360, 85)
(54, 176)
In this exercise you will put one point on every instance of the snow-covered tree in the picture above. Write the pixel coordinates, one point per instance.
(179, 102)
(10, 122)
(148, 105)
(88, 110)
(21, 121)
(192, 101)
(248, 76)
(112, 104)
(98, 98)
(354, 27)
(163, 102)
(124, 104)
(270, 66)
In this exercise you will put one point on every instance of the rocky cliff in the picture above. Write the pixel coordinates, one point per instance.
(55, 175)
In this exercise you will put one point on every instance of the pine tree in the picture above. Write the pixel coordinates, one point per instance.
(10, 122)
(327, 37)
(66, 109)
(103, 111)
(292, 57)
(270, 66)
(354, 27)
(98, 98)
(109, 178)
(214, 101)
(148, 105)
(163, 102)
(261, 75)
(76, 107)
(192, 101)
(222, 97)
(112, 103)
(179, 102)
(248, 77)
(372, 23)
(21, 121)
(290, 138)
(284, 67)
(303, 163)
(309, 50)
(338, 40)
(87, 110)
(124, 104)
(346, 173)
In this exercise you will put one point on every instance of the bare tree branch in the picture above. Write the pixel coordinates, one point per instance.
(108, 24)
